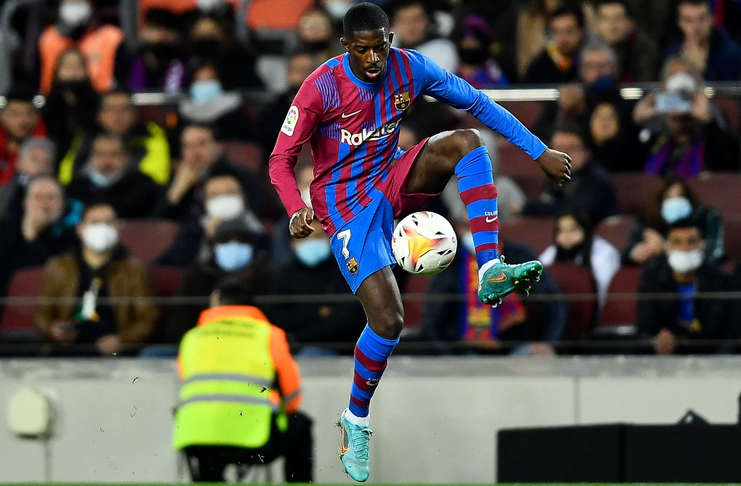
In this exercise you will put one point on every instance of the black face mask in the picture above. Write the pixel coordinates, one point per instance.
(317, 46)
(206, 48)
(564, 255)
(163, 52)
(76, 87)
(473, 57)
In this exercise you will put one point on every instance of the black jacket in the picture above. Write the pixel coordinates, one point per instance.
(544, 71)
(654, 315)
(135, 195)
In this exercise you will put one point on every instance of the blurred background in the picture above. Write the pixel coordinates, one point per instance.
(140, 130)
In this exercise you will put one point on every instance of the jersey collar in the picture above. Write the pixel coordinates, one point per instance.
(357, 81)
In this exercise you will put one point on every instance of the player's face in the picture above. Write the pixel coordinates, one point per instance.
(369, 50)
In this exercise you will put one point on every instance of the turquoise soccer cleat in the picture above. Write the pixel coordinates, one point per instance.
(500, 279)
(354, 450)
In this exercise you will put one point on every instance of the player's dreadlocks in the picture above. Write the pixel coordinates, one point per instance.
(364, 16)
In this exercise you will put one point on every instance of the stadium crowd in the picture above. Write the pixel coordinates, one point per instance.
(104, 195)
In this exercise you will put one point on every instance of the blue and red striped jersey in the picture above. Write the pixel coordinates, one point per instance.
(353, 128)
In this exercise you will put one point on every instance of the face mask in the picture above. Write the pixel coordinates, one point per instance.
(233, 256)
(163, 52)
(685, 261)
(209, 5)
(472, 57)
(675, 208)
(207, 48)
(104, 180)
(99, 237)
(602, 84)
(338, 8)
(468, 244)
(205, 91)
(76, 87)
(75, 14)
(227, 206)
(316, 46)
(313, 252)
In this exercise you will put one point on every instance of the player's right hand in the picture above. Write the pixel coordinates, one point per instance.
(300, 225)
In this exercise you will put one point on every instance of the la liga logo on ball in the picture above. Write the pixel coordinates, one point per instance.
(424, 243)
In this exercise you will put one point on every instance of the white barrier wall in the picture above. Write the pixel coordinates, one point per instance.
(435, 419)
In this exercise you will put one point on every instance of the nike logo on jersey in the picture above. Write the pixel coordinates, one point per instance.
(491, 220)
(348, 115)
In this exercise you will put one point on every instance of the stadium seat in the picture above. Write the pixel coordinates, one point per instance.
(633, 191)
(415, 284)
(147, 239)
(732, 229)
(531, 185)
(620, 309)
(616, 230)
(244, 154)
(166, 281)
(533, 231)
(18, 322)
(513, 161)
(730, 110)
(719, 190)
(575, 280)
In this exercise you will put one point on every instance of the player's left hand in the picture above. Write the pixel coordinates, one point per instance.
(556, 165)
(300, 225)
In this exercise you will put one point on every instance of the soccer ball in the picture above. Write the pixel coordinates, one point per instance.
(424, 243)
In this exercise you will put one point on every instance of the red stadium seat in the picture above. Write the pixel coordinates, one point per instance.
(244, 154)
(732, 233)
(513, 161)
(633, 191)
(535, 232)
(528, 112)
(531, 185)
(415, 284)
(575, 280)
(147, 239)
(721, 190)
(18, 323)
(730, 110)
(166, 281)
(620, 309)
(616, 230)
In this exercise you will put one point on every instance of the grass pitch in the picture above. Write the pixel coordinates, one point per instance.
(384, 484)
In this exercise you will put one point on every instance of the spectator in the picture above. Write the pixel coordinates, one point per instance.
(110, 178)
(637, 52)
(683, 270)
(233, 256)
(209, 104)
(532, 31)
(590, 187)
(614, 139)
(159, 65)
(413, 28)
(203, 157)
(476, 65)
(35, 158)
(483, 328)
(281, 250)
(145, 140)
(72, 103)
(224, 200)
(211, 40)
(250, 364)
(673, 200)
(300, 65)
(710, 49)
(46, 228)
(312, 271)
(98, 269)
(337, 8)
(19, 120)
(689, 139)
(316, 34)
(574, 241)
(102, 45)
(558, 62)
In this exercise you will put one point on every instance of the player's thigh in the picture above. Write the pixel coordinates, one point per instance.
(436, 162)
(379, 294)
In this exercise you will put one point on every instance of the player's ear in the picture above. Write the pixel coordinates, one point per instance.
(391, 38)
(344, 43)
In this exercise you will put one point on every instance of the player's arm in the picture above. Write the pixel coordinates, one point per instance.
(286, 369)
(300, 124)
(456, 92)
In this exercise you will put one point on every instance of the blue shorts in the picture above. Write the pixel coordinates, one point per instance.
(362, 246)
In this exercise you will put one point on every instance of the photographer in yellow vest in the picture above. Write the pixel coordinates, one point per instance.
(239, 402)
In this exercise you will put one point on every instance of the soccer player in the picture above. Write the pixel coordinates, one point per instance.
(350, 110)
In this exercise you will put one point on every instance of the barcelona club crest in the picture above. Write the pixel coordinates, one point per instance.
(401, 101)
(352, 266)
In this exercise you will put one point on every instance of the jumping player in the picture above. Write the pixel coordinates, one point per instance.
(350, 110)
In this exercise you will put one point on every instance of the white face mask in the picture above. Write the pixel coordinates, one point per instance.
(75, 14)
(685, 261)
(675, 208)
(338, 8)
(99, 237)
(226, 206)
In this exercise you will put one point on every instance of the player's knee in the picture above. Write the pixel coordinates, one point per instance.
(389, 325)
(468, 139)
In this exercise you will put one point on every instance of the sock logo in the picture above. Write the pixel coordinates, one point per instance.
(491, 219)
(373, 382)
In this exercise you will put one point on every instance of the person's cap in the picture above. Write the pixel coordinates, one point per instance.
(233, 229)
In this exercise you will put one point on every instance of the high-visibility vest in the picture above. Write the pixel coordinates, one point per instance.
(228, 394)
(99, 47)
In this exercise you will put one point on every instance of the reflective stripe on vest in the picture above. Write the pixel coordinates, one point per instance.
(230, 399)
(255, 380)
